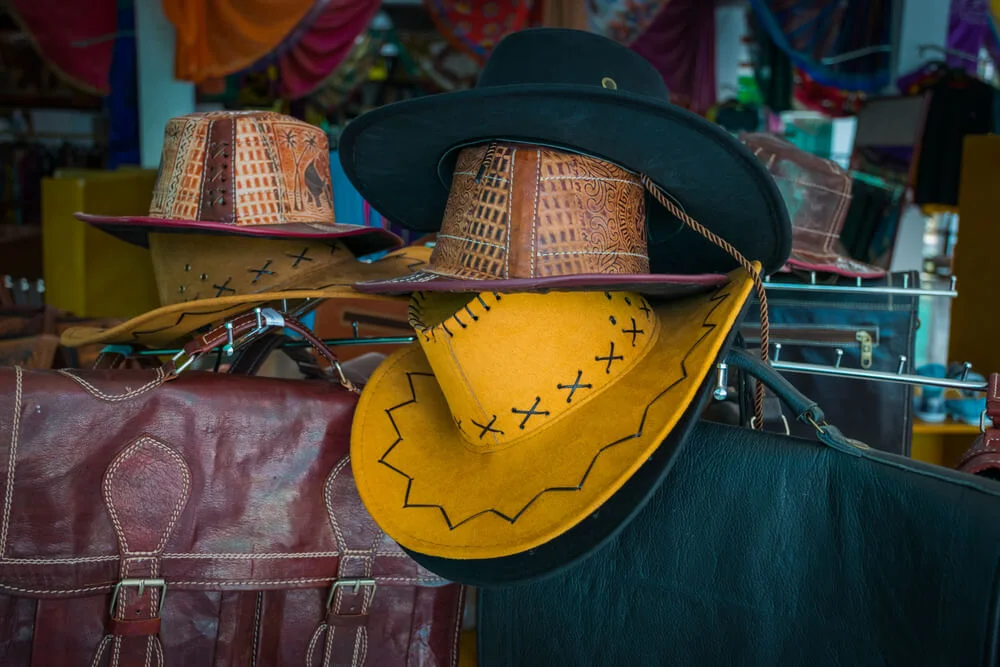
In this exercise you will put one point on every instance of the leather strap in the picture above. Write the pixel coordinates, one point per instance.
(805, 409)
(145, 489)
(232, 331)
(132, 627)
(983, 458)
(250, 358)
(344, 630)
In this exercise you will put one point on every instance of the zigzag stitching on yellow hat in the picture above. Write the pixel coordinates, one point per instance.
(136, 335)
(718, 298)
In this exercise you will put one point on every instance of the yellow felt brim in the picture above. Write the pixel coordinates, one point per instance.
(404, 433)
(167, 324)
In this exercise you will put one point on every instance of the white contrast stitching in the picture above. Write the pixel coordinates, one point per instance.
(473, 241)
(592, 252)
(178, 507)
(97, 393)
(15, 431)
(534, 213)
(328, 501)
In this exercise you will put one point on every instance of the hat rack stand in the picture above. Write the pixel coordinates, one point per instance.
(355, 339)
(836, 370)
(905, 289)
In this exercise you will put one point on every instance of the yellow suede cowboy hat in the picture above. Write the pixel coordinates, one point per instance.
(516, 415)
(204, 279)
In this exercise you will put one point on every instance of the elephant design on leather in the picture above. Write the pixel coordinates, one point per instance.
(317, 187)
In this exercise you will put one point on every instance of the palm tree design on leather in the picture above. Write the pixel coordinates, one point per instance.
(311, 184)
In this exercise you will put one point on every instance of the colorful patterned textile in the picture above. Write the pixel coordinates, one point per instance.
(625, 20)
(846, 45)
(475, 26)
(75, 39)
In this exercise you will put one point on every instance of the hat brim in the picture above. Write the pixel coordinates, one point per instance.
(588, 536)
(835, 264)
(404, 434)
(712, 176)
(169, 324)
(647, 283)
(136, 229)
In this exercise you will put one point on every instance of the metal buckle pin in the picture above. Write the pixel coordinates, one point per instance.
(140, 584)
(353, 584)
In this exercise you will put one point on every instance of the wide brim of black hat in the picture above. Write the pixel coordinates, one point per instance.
(587, 538)
(400, 157)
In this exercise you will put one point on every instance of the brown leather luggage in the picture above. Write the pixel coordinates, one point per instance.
(983, 458)
(207, 520)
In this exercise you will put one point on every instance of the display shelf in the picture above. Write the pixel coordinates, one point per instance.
(947, 427)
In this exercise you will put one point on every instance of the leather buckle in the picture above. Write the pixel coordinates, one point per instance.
(141, 585)
(354, 585)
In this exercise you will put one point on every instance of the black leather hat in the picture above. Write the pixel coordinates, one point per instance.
(579, 92)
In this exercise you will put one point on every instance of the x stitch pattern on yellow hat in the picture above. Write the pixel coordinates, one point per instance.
(516, 415)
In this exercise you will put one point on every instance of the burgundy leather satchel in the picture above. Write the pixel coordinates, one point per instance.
(983, 458)
(203, 519)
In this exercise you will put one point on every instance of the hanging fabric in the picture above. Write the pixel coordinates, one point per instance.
(846, 45)
(680, 42)
(220, 37)
(960, 105)
(476, 26)
(321, 41)
(75, 39)
(969, 30)
(624, 21)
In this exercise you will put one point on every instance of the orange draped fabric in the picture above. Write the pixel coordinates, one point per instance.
(220, 37)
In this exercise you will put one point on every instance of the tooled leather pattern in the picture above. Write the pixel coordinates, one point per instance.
(473, 240)
(540, 212)
(244, 168)
(590, 217)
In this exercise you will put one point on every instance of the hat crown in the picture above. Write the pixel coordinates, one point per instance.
(576, 57)
(816, 191)
(538, 212)
(243, 168)
(512, 364)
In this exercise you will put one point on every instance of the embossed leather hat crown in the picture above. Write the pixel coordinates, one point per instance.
(581, 93)
(249, 173)
(515, 416)
(523, 217)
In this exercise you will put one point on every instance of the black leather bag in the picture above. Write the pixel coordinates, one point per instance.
(764, 549)
(874, 330)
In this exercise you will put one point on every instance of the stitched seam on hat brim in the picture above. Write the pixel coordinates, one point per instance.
(577, 406)
(718, 297)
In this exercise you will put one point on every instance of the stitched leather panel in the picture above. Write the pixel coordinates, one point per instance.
(591, 217)
(473, 239)
(540, 212)
(256, 520)
(765, 550)
(244, 168)
(217, 183)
